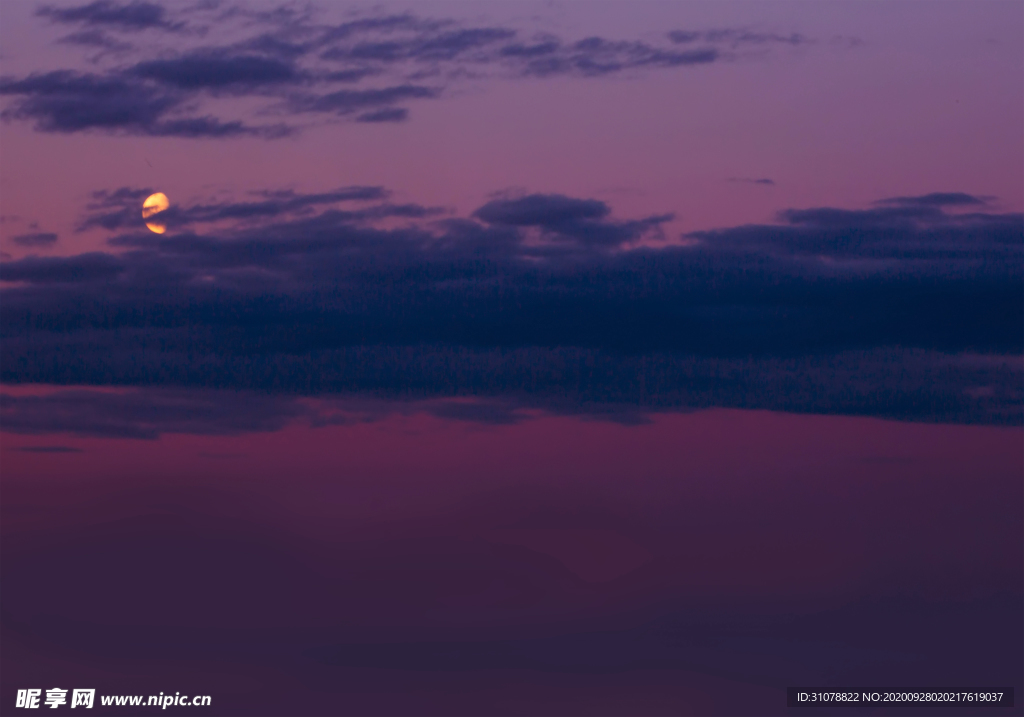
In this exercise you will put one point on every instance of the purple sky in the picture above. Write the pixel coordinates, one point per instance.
(879, 100)
(511, 358)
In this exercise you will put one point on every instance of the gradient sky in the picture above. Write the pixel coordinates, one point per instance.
(511, 358)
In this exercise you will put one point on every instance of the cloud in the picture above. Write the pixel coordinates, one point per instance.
(594, 56)
(579, 220)
(129, 17)
(541, 210)
(541, 302)
(70, 102)
(257, 392)
(148, 413)
(297, 66)
(735, 37)
(38, 239)
(145, 414)
(120, 208)
(745, 180)
(94, 266)
(426, 45)
(211, 71)
(66, 101)
(916, 231)
(937, 199)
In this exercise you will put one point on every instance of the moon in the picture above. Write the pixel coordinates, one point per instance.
(154, 204)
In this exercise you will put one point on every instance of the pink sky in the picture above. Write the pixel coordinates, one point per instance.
(921, 102)
(587, 499)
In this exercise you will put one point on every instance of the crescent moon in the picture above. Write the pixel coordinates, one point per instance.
(154, 204)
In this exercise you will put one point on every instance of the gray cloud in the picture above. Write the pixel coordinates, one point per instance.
(296, 65)
(578, 220)
(120, 208)
(66, 101)
(745, 180)
(736, 37)
(144, 414)
(133, 16)
(937, 199)
(94, 266)
(505, 387)
(215, 71)
(541, 210)
(70, 102)
(38, 239)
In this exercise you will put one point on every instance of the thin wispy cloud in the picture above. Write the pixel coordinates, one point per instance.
(302, 67)
(747, 180)
(35, 240)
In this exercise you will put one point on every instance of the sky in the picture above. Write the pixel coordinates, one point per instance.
(511, 357)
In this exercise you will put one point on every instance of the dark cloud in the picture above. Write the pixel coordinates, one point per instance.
(151, 412)
(918, 234)
(579, 220)
(845, 218)
(735, 37)
(70, 102)
(147, 414)
(496, 386)
(198, 71)
(39, 239)
(596, 56)
(424, 47)
(132, 16)
(94, 266)
(538, 47)
(937, 199)
(67, 102)
(297, 66)
(745, 180)
(535, 302)
(541, 210)
(121, 208)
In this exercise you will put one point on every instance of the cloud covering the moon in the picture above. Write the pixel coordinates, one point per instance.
(154, 205)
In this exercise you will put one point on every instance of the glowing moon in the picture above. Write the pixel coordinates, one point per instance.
(154, 204)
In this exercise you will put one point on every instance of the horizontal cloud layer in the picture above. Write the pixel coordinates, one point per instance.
(535, 302)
